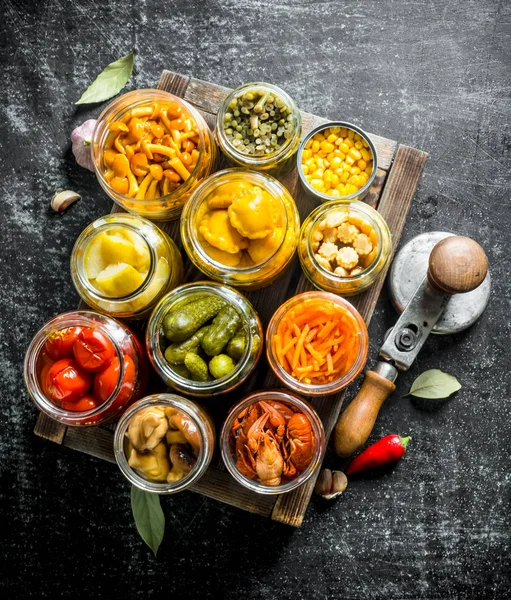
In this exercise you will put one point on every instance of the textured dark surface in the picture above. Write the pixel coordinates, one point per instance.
(435, 75)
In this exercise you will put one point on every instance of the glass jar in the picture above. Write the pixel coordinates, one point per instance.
(279, 160)
(297, 405)
(152, 265)
(363, 229)
(359, 343)
(148, 105)
(247, 274)
(358, 138)
(156, 341)
(118, 385)
(203, 429)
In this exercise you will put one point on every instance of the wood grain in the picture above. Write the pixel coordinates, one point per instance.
(398, 181)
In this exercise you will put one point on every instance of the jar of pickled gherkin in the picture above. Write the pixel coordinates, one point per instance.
(150, 150)
(122, 265)
(258, 126)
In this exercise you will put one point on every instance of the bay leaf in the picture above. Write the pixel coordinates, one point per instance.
(149, 517)
(434, 384)
(110, 81)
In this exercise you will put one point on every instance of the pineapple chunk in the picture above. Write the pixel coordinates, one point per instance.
(119, 279)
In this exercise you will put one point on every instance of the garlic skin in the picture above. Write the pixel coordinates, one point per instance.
(61, 200)
(81, 138)
(330, 484)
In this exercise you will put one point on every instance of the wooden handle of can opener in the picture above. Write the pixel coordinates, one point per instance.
(356, 423)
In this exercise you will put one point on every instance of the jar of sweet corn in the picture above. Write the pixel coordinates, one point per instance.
(241, 228)
(122, 265)
(337, 160)
(344, 246)
(259, 126)
(150, 151)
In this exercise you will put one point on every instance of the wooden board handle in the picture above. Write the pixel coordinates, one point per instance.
(356, 423)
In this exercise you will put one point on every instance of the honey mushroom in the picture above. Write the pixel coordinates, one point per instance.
(344, 243)
(163, 444)
(151, 150)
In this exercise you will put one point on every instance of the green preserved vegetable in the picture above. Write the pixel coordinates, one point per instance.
(180, 324)
(221, 365)
(197, 367)
(175, 353)
(221, 331)
(237, 344)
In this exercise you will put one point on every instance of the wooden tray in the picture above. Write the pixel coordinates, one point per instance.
(399, 170)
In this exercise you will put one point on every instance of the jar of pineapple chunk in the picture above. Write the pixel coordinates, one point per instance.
(344, 247)
(122, 265)
(337, 160)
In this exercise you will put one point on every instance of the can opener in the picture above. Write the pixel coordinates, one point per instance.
(441, 284)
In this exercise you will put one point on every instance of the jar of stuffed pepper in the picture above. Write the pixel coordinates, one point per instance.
(83, 368)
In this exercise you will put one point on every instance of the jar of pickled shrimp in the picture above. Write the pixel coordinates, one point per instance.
(150, 150)
(164, 443)
(257, 441)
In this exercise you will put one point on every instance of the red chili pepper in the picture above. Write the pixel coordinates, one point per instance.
(388, 449)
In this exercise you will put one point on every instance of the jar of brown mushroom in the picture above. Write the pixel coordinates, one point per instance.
(344, 247)
(164, 443)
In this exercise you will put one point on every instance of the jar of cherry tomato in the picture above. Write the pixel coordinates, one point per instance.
(83, 368)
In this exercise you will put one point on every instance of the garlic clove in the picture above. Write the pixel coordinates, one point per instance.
(81, 139)
(330, 484)
(61, 200)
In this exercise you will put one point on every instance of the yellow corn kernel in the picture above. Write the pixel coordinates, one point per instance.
(306, 154)
(318, 173)
(363, 177)
(315, 146)
(369, 169)
(327, 147)
(327, 186)
(365, 154)
(319, 137)
(354, 170)
(330, 157)
(365, 144)
(336, 162)
(305, 169)
(349, 142)
(308, 178)
(327, 176)
(335, 130)
(339, 141)
(342, 189)
(358, 145)
(361, 164)
(351, 134)
(344, 148)
(308, 144)
(350, 189)
(320, 162)
(344, 177)
(357, 137)
(334, 192)
(317, 184)
(343, 132)
(350, 160)
(331, 138)
(321, 154)
(334, 179)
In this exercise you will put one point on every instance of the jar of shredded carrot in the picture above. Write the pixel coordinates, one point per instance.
(317, 343)
(150, 151)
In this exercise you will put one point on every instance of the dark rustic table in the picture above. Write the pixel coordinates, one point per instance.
(435, 75)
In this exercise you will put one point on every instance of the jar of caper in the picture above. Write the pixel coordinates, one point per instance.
(259, 126)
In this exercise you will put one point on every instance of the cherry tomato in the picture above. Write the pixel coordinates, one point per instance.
(87, 402)
(105, 382)
(66, 382)
(93, 351)
(60, 342)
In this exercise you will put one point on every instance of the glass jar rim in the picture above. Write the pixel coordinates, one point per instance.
(207, 187)
(319, 129)
(192, 411)
(256, 159)
(154, 333)
(283, 396)
(72, 319)
(88, 235)
(370, 213)
(326, 388)
(97, 144)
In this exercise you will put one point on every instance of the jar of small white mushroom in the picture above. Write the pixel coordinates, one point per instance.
(344, 246)
(164, 443)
